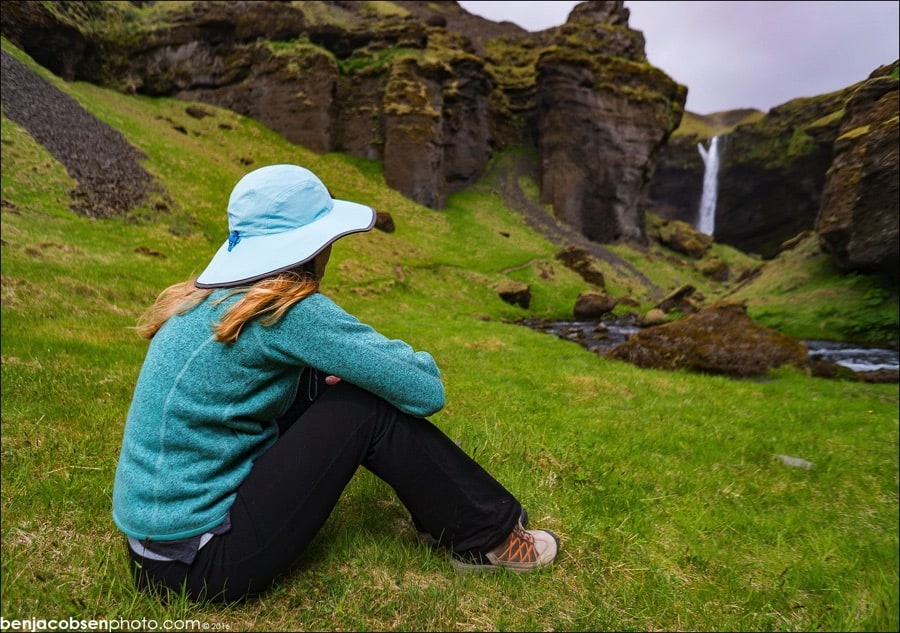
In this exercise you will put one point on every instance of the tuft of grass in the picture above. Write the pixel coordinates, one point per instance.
(672, 509)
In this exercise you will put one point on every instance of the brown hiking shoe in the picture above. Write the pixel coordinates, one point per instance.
(523, 550)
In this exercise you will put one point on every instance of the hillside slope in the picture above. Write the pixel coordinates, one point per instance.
(668, 489)
(112, 181)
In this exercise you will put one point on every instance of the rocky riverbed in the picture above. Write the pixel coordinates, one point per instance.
(825, 358)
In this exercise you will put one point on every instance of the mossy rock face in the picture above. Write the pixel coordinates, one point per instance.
(685, 299)
(721, 339)
(858, 223)
(655, 316)
(777, 169)
(435, 93)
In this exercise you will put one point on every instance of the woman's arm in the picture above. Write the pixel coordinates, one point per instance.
(318, 333)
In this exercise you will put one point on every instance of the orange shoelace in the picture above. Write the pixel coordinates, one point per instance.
(520, 548)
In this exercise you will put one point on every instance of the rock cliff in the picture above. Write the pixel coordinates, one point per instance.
(425, 87)
(603, 117)
(858, 217)
(435, 92)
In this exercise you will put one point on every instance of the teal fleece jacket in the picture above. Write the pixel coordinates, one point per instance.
(203, 411)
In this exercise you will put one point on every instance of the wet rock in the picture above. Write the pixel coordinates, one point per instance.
(879, 376)
(593, 305)
(830, 369)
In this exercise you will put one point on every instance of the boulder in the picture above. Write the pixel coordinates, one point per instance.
(593, 104)
(721, 339)
(679, 299)
(653, 317)
(682, 238)
(593, 305)
(384, 221)
(713, 267)
(514, 292)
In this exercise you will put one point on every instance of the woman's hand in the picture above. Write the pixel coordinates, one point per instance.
(332, 380)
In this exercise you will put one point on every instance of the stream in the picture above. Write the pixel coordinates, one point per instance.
(604, 335)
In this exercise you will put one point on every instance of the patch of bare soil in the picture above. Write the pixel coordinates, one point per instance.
(111, 180)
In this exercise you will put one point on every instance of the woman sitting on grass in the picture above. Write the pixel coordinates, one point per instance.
(258, 399)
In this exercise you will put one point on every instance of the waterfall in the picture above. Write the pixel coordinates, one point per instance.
(706, 221)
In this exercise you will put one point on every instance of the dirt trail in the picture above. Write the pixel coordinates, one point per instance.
(106, 167)
(556, 231)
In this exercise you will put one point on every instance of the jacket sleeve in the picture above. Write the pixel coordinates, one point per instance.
(318, 333)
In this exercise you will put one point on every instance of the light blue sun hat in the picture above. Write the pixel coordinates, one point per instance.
(279, 216)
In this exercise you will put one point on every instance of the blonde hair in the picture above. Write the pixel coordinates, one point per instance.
(271, 297)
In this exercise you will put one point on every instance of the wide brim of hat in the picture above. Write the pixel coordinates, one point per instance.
(257, 257)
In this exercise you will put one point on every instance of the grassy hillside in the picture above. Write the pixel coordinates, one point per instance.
(673, 508)
(707, 126)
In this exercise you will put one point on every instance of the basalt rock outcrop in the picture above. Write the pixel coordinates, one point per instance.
(772, 172)
(604, 115)
(425, 87)
(858, 218)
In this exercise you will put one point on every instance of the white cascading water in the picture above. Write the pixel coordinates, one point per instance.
(706, 221)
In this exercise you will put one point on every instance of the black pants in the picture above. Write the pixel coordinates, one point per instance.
(294, 486)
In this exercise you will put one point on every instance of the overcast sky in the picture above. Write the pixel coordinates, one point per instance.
(733, 54)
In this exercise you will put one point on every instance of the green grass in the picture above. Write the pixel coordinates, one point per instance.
(801, 294)
(673, 512)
